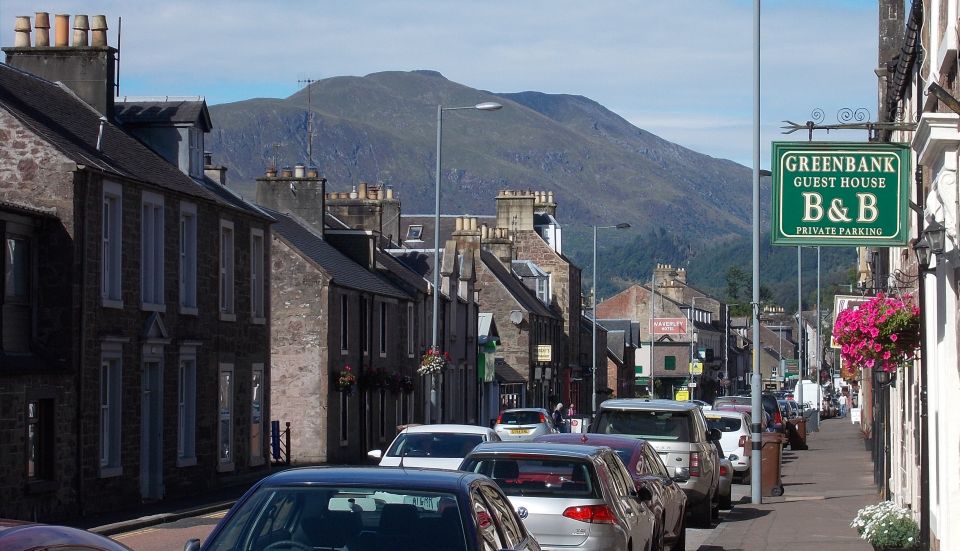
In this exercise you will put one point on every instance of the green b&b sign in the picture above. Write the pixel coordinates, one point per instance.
(838, 193)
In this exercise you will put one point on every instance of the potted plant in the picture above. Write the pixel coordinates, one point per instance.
(881, 334)
(345, 380)
(433, 362)
(887, 526)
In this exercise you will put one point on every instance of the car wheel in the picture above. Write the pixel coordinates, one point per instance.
(681, 542)
(715, 505)
(702, 514)
(725, 501)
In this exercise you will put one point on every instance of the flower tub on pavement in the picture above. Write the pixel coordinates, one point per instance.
(887, 526)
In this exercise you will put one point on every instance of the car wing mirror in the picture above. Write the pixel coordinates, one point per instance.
(192, 545)
(644, 494)
(714, 435)
(375, 454)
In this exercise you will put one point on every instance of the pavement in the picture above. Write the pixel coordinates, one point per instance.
(824, 487)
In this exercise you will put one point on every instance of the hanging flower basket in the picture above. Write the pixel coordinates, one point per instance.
(374, 379)
(345, 380)
(881, 334)
(433, 362)
(398, 383)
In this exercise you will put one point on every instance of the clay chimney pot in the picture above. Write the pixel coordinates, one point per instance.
(99, 27)
(41, 22)
(21, 30)
(80, 28)
(62, 30)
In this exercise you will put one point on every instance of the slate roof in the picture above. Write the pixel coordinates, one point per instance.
(623, 325)
(345, 272)
(515, 287)
(447, 225)
(71, 126)
(615, 344)
(170, 112)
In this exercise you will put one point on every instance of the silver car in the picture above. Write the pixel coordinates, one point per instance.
(569, 496)
(524, 424)
(679, 433)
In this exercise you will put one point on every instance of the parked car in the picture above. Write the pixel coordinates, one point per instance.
(644, 465)
(18, 535)
(703, 405)
(726, 479)
(679, 433)
(370, 508)
(767, 399)
(569, 496)
(524, 424)
(433, 446)
(735, 440)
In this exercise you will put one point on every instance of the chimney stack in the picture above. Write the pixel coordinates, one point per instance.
(89, 71)
(302, 195)
(498, 243)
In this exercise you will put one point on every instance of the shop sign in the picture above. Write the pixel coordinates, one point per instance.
(668, 326)
(840, 193)
(544, 353)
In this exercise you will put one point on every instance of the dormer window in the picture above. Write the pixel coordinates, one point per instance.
(414, 232)
(196, 152)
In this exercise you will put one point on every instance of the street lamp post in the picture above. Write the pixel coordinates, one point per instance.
(485, 106)
(593, 293)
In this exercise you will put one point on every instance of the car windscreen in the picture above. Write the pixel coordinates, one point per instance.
(323, 517)
(538, 476)
(724, 424)
(520, 418)
(434, 444)
(731, 401)
(649, 425)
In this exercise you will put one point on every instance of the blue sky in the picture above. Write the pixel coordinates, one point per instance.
(680, 69)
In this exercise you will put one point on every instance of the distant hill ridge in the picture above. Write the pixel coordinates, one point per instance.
(381, 128)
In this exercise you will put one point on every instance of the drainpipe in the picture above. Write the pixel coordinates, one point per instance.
(81, 228)
(921, 301)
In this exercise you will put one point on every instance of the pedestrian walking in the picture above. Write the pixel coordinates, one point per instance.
(843, 406)
(558, 417)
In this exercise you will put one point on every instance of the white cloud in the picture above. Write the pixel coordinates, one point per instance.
(684, 66)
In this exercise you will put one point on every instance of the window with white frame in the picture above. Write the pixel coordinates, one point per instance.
(151, 251)
(344, 418)
(256, 415)
(225, 419)
(196, 153)
(110, 403)
(187, 407)
(411, 330)
(112, 241)
(188, 258)
(257, 283)
(383, 329)
(344, 325)
(226, 270)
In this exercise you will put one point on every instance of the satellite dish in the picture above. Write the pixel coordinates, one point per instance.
(516, 317)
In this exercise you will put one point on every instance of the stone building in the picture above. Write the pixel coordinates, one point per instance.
(135, 360)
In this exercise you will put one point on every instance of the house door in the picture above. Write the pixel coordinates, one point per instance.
(151, 430)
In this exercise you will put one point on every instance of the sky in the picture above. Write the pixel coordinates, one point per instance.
(681, 69)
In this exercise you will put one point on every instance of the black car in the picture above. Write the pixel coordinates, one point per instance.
(367, 509)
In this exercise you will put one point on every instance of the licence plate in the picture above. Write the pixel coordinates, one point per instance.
(519, 431)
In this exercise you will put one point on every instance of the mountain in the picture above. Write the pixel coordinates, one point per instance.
(381, 128)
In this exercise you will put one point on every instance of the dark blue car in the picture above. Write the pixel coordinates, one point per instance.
(368, 509)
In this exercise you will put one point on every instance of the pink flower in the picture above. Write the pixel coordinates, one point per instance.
(894, 337)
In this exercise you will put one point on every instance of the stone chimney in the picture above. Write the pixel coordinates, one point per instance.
(499, 243)
(368, 207)
(544, 203)
(88, 70)
(217, 173)
(301, 195)
(467, 234)
(515, 210)
(669, 281)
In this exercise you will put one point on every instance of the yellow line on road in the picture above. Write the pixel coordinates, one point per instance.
(218, 514)
(134, 533)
